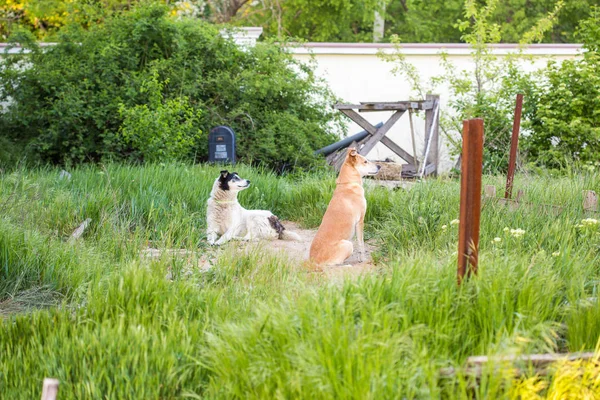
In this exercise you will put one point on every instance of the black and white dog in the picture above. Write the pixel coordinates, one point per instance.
(227, 219)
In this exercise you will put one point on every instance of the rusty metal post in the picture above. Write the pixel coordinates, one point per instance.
(514, 144)
(470, 198)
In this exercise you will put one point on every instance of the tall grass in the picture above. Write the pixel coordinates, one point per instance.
(109, 325)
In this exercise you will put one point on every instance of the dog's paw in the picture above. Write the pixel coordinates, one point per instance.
(211, 238)
(221, 241)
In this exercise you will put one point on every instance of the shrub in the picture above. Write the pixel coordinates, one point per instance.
(89, 97)
(566, 122)
(160, 130)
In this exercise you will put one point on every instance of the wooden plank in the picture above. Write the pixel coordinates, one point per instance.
(429, 169)
(396, 106)
(409, 171)
(363, 123)
(50, 389)
(475, 366)
(331, 157)
(341, 106)
(387, 142)
(432, 131)
(376, 137)
(514, 144)
(80, 229)
(387, 106)
(343, 153)
(470, 198)
(337, 155)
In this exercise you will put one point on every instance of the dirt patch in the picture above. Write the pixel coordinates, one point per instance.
(296, 251)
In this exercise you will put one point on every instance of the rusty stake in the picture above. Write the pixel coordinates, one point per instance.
(470, 197)
(514, 144)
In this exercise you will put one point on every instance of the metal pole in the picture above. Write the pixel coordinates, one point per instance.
(414, 145)
(470, 198)
(437, 109)
(514, 144)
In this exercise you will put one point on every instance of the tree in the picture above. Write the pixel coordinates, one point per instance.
(323, 20)
(411, 20)
(565, 122)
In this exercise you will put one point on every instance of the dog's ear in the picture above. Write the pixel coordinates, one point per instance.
(224, 174)
(352, 152)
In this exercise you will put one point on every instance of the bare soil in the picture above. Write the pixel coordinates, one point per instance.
(296, 251)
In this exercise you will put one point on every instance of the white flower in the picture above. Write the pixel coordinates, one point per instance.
(506, 229)
(589, 222)
(497, 239)
(444, 227)
(556, 254)
(454, 222)
(517, 232)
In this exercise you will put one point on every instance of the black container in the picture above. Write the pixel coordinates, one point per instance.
(221, 145)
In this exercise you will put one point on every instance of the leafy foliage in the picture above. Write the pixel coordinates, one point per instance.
(160, 130)
(144, 85)
(411, 20)
(317, 20)
(320, 21)
(485, 91)
(566, 121)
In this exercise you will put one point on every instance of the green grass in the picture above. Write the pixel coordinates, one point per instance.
(109, 325)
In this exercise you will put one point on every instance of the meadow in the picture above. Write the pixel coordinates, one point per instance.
(108, 324)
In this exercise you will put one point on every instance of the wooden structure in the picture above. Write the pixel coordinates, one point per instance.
(375, 135)
(470, 198)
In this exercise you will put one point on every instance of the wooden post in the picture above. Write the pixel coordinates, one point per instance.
(514, 144)
(470, 197)
(50, 389)
(590, 200)
(433, 156)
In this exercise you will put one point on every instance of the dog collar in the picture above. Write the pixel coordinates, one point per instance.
(350, 183)
(225, 201)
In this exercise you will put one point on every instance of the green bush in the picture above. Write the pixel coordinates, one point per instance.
(160, 130)
(566, 121)
(147, 86)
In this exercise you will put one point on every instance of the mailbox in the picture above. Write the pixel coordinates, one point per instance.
(221, 145)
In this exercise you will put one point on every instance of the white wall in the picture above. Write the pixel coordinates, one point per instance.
(355, 73)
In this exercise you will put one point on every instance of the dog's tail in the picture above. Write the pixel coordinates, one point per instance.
(281, 231)
(288, 235)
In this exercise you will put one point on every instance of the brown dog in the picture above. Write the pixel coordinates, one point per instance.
(345, 214)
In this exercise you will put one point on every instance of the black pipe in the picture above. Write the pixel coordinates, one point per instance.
(327, 150)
